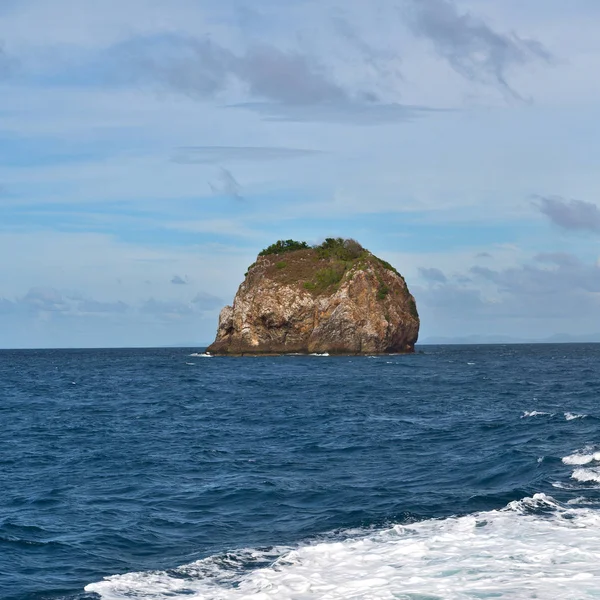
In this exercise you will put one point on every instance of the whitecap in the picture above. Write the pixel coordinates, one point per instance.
(535, 413)
(537, 501)
(583, 457)
(202, 355)
(571, 416)
(586, 475)
(320, 354)
(534, 547)
(582, 500)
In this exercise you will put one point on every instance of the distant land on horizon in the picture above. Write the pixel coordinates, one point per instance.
(558, 338)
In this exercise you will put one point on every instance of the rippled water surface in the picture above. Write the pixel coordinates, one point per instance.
(457, 472)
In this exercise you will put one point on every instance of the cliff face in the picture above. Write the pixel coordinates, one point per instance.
(317, 300)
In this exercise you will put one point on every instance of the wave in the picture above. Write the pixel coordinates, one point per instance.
(582, 500)
(534, 547)
(201, 354)
(561, 485)
(582, 457)
(569, 416)
(587, 461)
(587, 475)
(535, 413)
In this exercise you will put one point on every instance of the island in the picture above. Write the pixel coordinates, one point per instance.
(334, 298)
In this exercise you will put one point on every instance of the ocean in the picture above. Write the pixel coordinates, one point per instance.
(458, 472)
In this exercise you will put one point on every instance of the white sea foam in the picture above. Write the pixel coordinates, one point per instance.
(201, 354)
(588, 456)
(584, 457)
(571, 416)
(320, 354)
(587, 475)
(534, 548)
(581, 500)
(536, 413)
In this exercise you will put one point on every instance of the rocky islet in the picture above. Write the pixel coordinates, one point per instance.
(335, 298)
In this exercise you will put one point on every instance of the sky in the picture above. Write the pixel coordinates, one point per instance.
(150, 149)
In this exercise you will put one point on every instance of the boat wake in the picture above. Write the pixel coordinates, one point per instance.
(533, 548)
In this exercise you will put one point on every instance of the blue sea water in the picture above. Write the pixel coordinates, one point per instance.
(456, 472)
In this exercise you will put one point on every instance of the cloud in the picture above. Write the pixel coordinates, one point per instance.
(283, 85)
(166, 309)
(450, 298)
(217, 154)
(470, 46)
(45, 299)
(177, 280)
(202, 68)
(50, 300)
(373, 56)
(573, 215)
(560, 259)
(94, 306)
(227, 185)
(352, 113)
(279, 84)
(551, 288)
(205, 301)
(384, 62)
(560, 274)
(433, 275)
(287, 77)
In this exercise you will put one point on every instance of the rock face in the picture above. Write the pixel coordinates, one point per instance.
(336, 298)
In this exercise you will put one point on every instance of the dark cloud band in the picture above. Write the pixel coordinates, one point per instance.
(574, 215)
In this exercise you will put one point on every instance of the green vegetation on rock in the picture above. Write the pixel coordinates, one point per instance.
(321, 268)
(282, 246)
(382, 291)
(341, 249)
(387, 265)
(330, 275)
